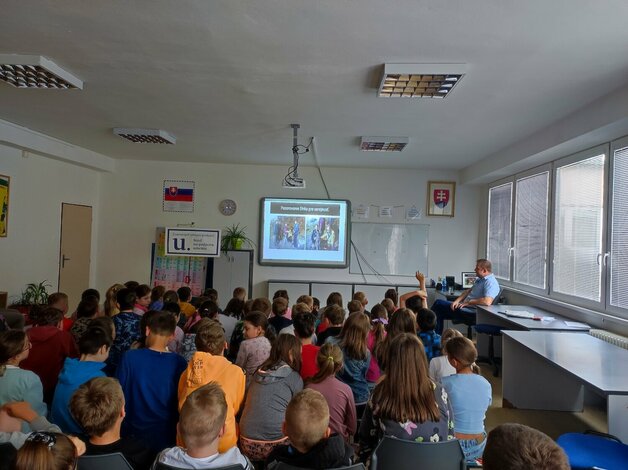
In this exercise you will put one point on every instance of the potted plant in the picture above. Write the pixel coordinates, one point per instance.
(34, 294)
(234, 238)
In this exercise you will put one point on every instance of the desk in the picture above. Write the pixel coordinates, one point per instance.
(548, 370)
(451, 297)
(489, 314)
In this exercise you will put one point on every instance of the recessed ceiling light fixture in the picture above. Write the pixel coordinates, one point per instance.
(383, 144)
(420, 80)
(145, 136)
(35, 71)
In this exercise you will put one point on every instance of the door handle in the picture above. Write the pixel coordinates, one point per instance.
(63, 260)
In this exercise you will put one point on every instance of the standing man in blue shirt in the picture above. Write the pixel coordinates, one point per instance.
(485, 289)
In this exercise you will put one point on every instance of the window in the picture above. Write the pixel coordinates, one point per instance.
(499, 215)
(578, 217)
(530, 253)
(619, 230)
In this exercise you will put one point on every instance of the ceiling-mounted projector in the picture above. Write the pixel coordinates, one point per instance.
(292, 179)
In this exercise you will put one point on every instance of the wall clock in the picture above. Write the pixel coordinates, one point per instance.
(227, 207)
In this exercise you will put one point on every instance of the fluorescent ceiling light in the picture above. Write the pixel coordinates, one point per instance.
(35, 71)
(383, 144)
(145, 136)
(420, 80)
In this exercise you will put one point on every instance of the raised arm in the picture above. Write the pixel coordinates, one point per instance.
(421, 292)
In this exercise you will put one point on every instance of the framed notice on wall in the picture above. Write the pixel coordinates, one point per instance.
(4, 204)
(441, 198)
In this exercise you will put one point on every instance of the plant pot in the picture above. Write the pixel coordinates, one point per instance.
(237, 243)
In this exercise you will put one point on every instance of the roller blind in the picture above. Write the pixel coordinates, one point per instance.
(578, 228)
(531, 230)
(619, 230)
(498, 236)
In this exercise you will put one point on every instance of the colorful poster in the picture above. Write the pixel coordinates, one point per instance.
(178, 196)
(4, 204)
(173, 272)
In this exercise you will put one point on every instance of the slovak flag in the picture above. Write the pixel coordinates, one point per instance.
(178, 196)
(441, 197)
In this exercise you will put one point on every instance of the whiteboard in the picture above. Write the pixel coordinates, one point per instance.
(389, 249)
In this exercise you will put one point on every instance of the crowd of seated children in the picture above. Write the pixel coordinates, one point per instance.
(375, 338)
(426, 320)
(311, 445)
(357, 358)
(98, 407)
(470, 396)
(405, 404)
(339, 397)
(335, 317)
(271, 389)
(279, 308)
(149, 378)
(255, 348)
(87, 310)
(440, 366)
(94, 349)
(208, 364)
(49, 347)
(201, 425)
(303, 322)
(18, 384)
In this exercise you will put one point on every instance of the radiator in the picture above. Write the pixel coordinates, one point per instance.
(611, 338)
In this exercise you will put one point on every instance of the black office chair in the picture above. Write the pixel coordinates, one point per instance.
(163, 466)
(469, 319)
(104, 462)
(396, 454)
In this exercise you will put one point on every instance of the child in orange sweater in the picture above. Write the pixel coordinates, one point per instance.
(208, 364)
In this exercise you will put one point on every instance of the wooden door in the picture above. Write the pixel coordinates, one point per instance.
(74, 256)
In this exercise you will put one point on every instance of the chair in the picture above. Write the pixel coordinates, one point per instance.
(396, 454)
(594, 450)
(104, 462)
(491, 331)
(469, 318)
(163, 466)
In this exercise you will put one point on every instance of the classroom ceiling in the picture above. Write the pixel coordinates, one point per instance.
(227, 77)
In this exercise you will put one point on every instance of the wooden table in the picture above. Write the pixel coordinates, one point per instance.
(549, 370)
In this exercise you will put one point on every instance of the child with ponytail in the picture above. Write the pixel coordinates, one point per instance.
(256, 346)
(470, 396)
(375, 338)
(339, 397)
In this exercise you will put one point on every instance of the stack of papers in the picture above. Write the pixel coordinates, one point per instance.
(519, 314)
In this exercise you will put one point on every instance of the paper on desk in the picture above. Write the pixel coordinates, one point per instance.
(575, 324)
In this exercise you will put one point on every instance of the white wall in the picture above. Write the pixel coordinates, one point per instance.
(131, 209)
(30, 252)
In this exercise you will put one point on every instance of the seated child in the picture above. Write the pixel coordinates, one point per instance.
(149, 377)
(185, 294)
(311, 443)
(176, 343)
(46, 450)
(86, 311)
(201, 425)
(255, 348)
(143, 294)
(94, 348)
(335, 316)
(440, 366)
(518, 447)
(157, 298)
(374, 340)
(354, 306)
(279, 309)
(303, 323)
(49, 348)
(339, 397)
(127, 326)
(430, 339)
(208, 364)
(98, 407)
(361, 297)
(60, 301)
(470, 395)
(16, 384)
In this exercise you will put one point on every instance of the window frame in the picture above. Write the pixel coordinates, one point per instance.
(496, 184)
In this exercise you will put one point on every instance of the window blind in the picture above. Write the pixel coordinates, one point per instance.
(499, 220)
(531, 230)
(578, 228)
(619, 231)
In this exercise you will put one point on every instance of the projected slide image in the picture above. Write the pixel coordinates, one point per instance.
(287, 233)
(322, 233)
